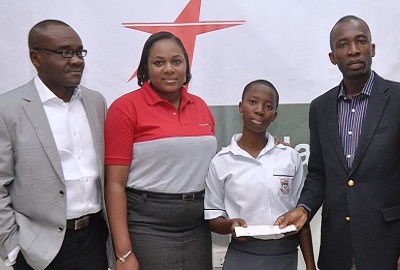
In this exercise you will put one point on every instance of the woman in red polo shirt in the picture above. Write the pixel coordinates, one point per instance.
(159, 142)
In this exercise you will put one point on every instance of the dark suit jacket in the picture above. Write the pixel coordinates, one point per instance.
(33, 211)
(372, 235)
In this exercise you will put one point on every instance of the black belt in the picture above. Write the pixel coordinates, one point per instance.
(81, 222)
(169, 196)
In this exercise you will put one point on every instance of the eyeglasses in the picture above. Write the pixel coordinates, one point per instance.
(66, 53)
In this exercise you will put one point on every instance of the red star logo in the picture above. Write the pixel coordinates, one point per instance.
(187, 26)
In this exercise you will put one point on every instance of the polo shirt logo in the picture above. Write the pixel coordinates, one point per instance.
(205, 125)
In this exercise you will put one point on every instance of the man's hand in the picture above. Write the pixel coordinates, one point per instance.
(297, 216)
(277, 141)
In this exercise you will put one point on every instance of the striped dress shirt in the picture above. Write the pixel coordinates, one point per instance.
(351, 112)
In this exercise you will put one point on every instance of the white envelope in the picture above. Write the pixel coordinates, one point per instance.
(264, 232)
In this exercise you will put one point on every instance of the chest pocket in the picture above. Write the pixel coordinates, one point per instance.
(283, 181)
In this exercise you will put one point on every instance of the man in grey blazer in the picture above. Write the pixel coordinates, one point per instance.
(354, 164)
(51, 160)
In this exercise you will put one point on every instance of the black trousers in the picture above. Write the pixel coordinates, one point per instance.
(83, 249)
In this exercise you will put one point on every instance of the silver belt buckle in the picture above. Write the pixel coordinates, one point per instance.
(82, 223)
(188, 197)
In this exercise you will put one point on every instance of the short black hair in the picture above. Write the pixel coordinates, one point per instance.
(40, 28)
(263, 82)
(142, 74)
(347, 18)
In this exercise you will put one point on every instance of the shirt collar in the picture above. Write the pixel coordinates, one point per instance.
(152, 98)
(235, 149)
(366, 90)
(46, 94)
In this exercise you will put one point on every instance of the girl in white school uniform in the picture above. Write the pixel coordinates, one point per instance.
(252, 182)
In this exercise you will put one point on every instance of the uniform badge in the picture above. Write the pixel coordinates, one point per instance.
(284, 185)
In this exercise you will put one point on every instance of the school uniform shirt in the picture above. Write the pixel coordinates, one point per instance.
(258, 190)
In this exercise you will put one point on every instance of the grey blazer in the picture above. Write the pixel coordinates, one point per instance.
(32, 201)
(361, 204)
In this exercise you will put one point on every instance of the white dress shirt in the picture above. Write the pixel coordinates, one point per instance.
(73, 136)
(258, 190)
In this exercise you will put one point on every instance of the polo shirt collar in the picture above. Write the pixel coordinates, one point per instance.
(152, 98)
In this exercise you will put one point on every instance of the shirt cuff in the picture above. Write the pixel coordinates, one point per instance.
(214, 213)
(12, 256)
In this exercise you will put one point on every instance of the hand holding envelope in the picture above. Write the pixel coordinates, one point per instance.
(265, 232)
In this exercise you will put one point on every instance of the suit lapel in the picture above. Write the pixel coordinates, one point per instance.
(95, 122)
(376, 105)
(35, 112)
(331, 113)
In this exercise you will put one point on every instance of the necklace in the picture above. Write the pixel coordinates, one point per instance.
(177, 103)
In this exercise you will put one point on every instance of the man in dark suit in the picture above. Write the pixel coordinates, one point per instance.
(354, 164)
(51, 160)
